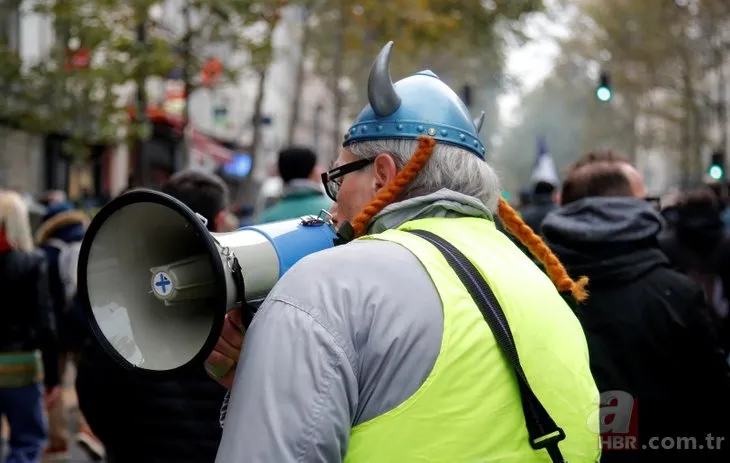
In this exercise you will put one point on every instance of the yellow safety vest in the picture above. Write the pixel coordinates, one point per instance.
(468, 409)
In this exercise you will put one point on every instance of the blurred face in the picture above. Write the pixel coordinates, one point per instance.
(354, 183)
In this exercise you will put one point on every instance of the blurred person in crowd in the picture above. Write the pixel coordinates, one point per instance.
(647, 325)
(303, 193)
(28, 345)
(524, 198)
(540, 205)
(145, 420)
(230, 223)
(52, 197)
(374, 350)
(36, 211)
(723, 201)
(59, 236)
(87, 200)
(698, 246)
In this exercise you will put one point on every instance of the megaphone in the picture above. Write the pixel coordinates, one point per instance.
(157, 283)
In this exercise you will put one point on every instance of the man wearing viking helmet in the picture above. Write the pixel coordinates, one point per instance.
(429, 336)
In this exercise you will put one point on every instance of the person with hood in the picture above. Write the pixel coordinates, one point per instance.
(59, 236)
(402, 344)
(647, 326)
(303, 193)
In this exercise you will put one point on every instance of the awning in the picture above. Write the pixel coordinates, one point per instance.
(204, 149)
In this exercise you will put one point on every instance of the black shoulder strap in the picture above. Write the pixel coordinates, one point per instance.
(543, 431)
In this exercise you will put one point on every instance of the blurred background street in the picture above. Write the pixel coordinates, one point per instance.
(237, 108)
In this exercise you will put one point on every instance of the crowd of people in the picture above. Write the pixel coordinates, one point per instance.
(44, 336)
(449, 327)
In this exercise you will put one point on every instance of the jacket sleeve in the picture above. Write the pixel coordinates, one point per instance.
(295, 391)
(711, 369)
(44, 320)
(104, 395)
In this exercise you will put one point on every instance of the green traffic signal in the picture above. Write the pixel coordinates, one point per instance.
(604, 91)
(603, 94)
(716, 172)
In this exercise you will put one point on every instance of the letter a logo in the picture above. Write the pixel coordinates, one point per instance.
(615, 413)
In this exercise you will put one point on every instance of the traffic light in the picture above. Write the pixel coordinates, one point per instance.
(604, 92)
(717, 166)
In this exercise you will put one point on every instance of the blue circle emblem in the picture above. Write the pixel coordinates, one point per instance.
(162, 284)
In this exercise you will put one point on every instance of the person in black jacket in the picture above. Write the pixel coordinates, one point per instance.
(540, 205)
(698, 246)
(145, 420)
(27, 334)
(647, 326)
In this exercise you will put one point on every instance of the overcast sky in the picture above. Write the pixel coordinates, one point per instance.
(531, 63)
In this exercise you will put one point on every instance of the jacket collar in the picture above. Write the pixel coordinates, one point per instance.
(443, 203)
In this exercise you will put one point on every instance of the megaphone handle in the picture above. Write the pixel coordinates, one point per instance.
(247, 312)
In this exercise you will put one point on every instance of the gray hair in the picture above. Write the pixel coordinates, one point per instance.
(449, 167)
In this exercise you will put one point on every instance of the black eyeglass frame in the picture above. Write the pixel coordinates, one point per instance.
(338, 172)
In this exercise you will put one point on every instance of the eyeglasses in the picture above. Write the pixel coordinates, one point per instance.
(332, 179)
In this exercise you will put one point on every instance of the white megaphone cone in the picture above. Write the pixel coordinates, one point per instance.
(158, 283)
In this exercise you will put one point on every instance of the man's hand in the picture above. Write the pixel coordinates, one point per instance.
(221, 363)
(52, 395)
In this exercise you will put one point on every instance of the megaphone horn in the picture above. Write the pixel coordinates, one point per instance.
(157, 283)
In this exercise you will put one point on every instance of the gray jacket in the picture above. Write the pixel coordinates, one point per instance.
(347, 334)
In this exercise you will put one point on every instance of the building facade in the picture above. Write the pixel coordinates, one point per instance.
(220, 117)
(37, 161)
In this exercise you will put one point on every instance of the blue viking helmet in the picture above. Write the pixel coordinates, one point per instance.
(417, 105)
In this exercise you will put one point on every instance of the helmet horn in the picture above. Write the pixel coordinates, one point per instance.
(381, 93)
(478, 122)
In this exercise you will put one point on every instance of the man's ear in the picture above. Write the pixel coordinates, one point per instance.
(219, 222)
(384, 171)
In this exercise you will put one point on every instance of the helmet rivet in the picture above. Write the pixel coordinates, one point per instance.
(432, 131)
(353, 130)
(420, 128)
(444, 132)
(379, 128)
(363, 129)
(476, 143)
(399, 126)
(462, 136)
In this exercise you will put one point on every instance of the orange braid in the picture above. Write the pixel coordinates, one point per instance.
(539, 249)
(391, 192)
